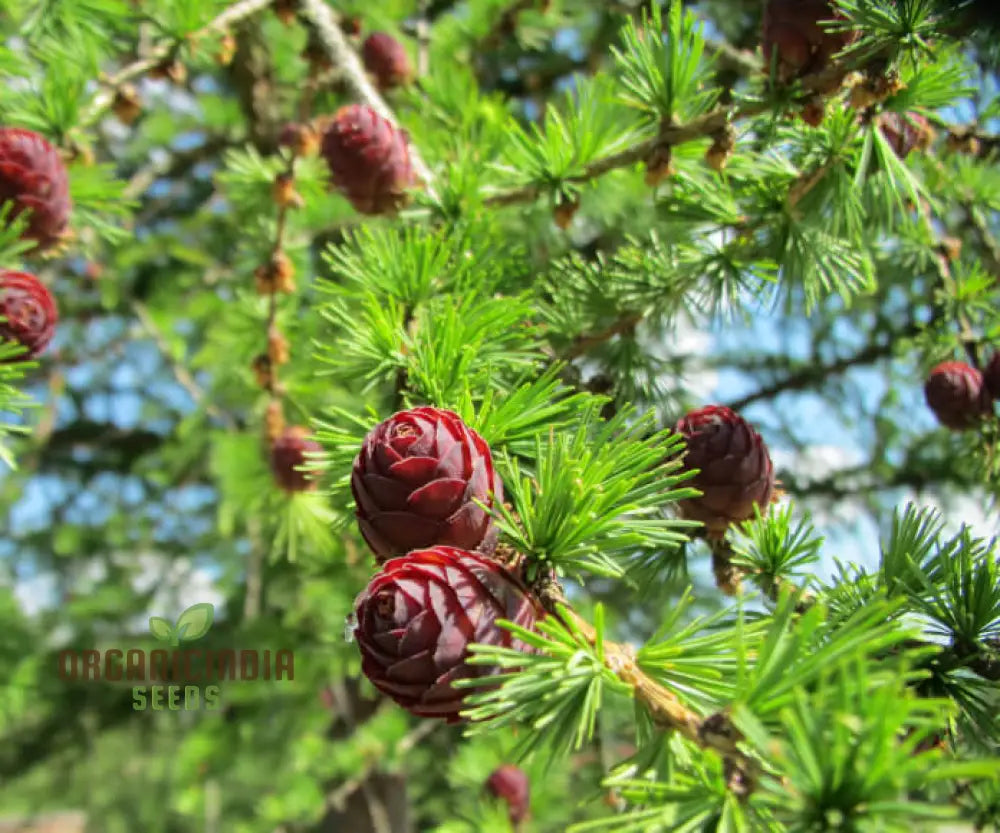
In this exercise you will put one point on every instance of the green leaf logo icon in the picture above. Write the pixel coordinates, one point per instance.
(161, 629)
(194, 622)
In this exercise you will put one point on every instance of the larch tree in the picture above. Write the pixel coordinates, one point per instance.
(479, 415)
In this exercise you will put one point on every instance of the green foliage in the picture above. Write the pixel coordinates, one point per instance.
(695, 656)
(594, 494)
(50, 101)
(12, 401)
(666, 78)
(99, 202)
(590, 128)
(82, 21)
(558, 692)
(797, 649)
(771, 550)
(12, 246)
(907, 24)
(952, 582)
(850, 750)
(514, 419)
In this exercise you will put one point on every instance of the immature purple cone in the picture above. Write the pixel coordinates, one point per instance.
(735, 468)
(33, 177)
(954, 392)
(369, 159)
(418, 616)
(386, 59)
(510, 784)
(288, 452)
(416, 480)
(905, 132)
(792, 30)
(29, 313)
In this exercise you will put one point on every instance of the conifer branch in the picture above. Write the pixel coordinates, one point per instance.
(946, 283)
(541, 77)
(342, 702)
(252, 74)
(987, 667)
(582, 343)
(715, 732)
(859, 482)
(672, 135)
(742, 60)
(668, 713)
(332, 39)
(814, 374)
(972, 137)
(335, 800)
(103, 100)
(253, 584)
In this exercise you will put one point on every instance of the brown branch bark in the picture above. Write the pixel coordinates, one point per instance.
(814, 374)
(582, 343)
(987, 667)
(64, 822)
(728, 577)
(715, 732)
(336, 800)
(727, 56)
(378, 802)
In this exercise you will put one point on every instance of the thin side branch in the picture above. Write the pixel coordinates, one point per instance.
(582, 343)
(103, 100)
(715, 732)
(181, 374)
(337, 799)
(741, 60)
(728, 577)
(814, 374)
(174, 166)
(423, 42)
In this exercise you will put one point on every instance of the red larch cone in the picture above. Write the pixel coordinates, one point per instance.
(288, 454)
(416, 481)
(33, 177)
(735, 469)
(954, 391)
(29, 312)
(386, 59)
(418, 616)
(369, 159)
